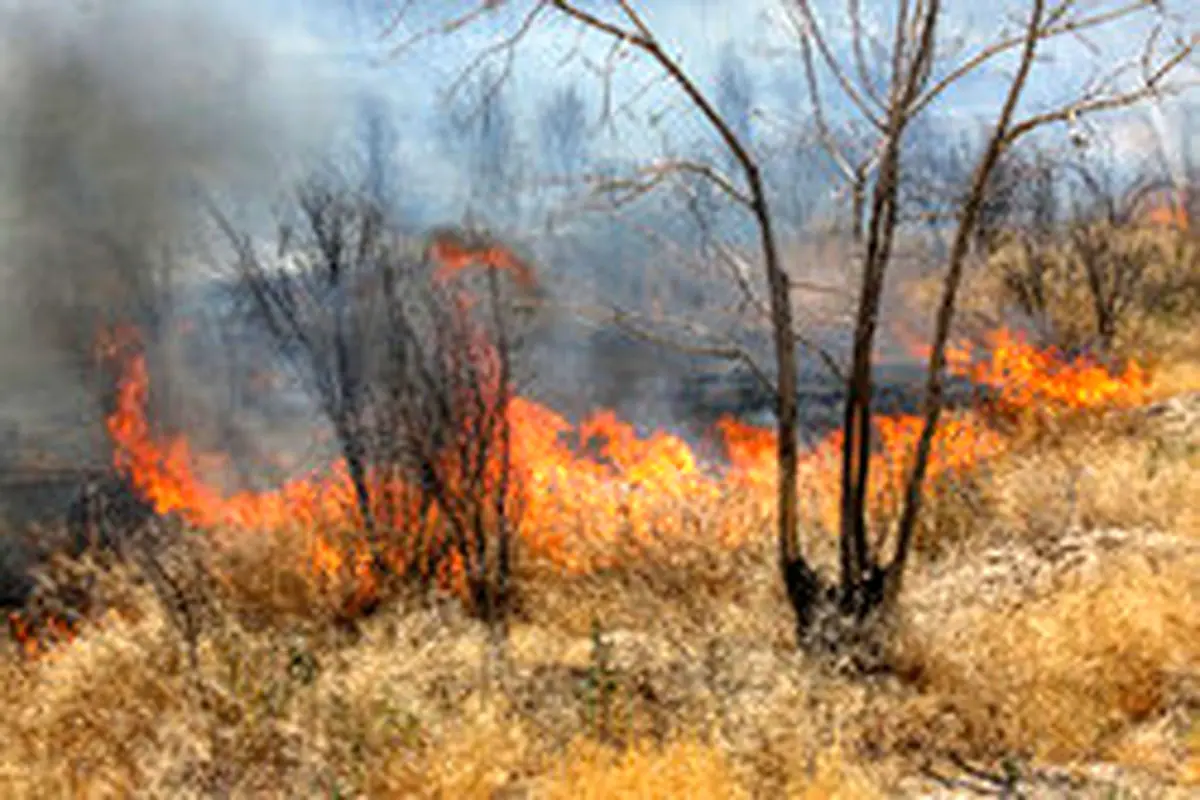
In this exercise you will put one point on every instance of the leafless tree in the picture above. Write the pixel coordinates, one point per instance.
(480, 134)
(379, 143)
(413, 375)
(916, 74)
(563, 131)
(917, 81)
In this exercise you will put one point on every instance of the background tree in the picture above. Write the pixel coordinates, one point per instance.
(562, 131)
(379, 140)
(480, 134)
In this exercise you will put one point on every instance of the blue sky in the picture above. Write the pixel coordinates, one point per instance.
(696, 30)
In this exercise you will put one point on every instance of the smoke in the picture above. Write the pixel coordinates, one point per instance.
(118, 116)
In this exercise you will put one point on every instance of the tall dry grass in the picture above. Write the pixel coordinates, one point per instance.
(1057, 629)
(1048, 643)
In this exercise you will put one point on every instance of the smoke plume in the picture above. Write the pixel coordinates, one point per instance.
(118, 116)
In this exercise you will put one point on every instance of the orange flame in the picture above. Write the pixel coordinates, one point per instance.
(585, 510)
(38, 642)
(1027, 377)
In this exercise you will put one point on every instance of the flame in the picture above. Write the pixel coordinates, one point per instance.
(38, 642)
(596, 493)
(1170, 210)
(1027, 377)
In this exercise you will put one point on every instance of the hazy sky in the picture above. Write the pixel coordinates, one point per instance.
(327, 54)
(694, 30)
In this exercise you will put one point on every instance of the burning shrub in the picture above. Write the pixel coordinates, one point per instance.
(412, 369)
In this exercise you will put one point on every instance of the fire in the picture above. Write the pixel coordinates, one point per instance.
(38, 642)
(595, 493)
(1026, 377)
(626, 477)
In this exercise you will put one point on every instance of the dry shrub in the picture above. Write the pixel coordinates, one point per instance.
(1067, 673)
(1046, 283)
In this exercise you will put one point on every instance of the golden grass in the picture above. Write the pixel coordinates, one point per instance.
(1099, 480)
(683, 769)
(1159, 307)
(1052, 620)
(1069, 673)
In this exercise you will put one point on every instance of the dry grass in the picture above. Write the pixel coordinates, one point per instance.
(1082, 661)
(1049, 641)
(1038, 637)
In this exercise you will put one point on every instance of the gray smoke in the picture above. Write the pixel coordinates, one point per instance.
(116, 117)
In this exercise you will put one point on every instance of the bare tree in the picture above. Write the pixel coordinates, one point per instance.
(562, 128)
(735, 93)
(481, 136)
(379, 143)
(414, 375)
(915, 75)
(868, 582)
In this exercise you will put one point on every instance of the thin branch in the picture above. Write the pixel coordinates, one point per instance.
(638, 326)
(446, 27)
(1048, 32)
(1152, 88)
(857, 35)
(811, 28)
(507, 46)
(649, 177)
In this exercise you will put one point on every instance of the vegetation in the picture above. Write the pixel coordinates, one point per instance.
(1048, 642)
(1050, 628)
(480, 598)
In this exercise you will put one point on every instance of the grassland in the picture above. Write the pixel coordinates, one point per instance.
(1049, 643)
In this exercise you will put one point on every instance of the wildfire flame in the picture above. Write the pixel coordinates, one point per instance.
(633, 483)
(589, 507)
(38, 642)
(1028, 377)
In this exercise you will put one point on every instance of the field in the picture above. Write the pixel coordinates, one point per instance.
(1048, 643)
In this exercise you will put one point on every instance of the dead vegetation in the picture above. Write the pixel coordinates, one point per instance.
(1048, 644)
(1117, 289)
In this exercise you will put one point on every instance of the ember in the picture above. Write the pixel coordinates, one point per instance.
(38, 641)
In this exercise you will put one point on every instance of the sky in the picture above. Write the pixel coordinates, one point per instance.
(329, 54)
(346, 32)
